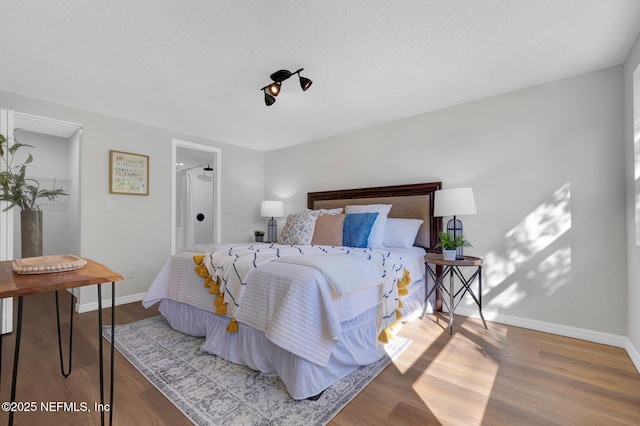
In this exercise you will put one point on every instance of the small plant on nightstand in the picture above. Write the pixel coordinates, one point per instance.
(259, 236)
(450, 244)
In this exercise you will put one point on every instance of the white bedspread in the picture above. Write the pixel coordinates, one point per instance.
(346, 269)
(311, 326)
(345, 274)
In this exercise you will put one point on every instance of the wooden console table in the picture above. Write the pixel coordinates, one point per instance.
(17, 285)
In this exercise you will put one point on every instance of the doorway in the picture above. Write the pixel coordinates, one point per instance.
(56, 163)
(195, 195)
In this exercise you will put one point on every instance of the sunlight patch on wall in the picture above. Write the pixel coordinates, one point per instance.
(509, 296)
(555, 271)
(507, 271)
(541, 227)
(637, 213)
(636, 147)
(636, 150)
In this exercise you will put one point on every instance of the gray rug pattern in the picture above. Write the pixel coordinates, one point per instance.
(212, 391)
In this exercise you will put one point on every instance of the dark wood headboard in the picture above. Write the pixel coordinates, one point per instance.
(414, 201)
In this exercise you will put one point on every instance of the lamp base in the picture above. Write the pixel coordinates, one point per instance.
(272, 230)
(454, 228)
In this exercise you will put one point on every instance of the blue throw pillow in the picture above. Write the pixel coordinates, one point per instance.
(356, 229)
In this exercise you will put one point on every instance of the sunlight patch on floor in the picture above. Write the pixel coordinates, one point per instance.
(461, 371)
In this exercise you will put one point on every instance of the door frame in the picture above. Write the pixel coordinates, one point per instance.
(6, 230)
(217, 210)
(6, 217)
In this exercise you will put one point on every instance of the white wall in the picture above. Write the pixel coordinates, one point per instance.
(51, 156)
(633, 250)
(137, 233)
(547, 168)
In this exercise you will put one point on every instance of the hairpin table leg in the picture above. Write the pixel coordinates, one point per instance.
(65, 374)
(113, 317)
(16, 356)
(1, 335)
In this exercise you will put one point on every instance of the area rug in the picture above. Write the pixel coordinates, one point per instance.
(212, 391)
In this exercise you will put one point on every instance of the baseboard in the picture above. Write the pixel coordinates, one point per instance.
(93, 306)
(561, 330)
(633, 354)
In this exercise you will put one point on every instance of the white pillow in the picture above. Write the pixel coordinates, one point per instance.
(376, 236)
(401, 232)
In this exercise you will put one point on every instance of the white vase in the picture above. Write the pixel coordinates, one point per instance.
(449, 254)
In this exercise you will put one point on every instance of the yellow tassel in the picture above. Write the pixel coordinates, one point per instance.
(201, 271)
(208, 282)
(222, 309)
(400, 306)
(219, 300)
(398, 314)
(233, 326)
(198, 258)
(215, 288)
(404, 282)
(385, 335)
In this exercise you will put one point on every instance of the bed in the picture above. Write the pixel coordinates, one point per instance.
(299, 311)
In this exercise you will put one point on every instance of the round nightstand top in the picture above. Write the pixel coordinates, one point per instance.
(436, 259)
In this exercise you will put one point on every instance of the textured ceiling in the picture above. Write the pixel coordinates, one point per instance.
(197, 66)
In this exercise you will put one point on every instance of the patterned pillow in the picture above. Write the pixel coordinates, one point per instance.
(330, 211)
(299, 228)
(327, 211)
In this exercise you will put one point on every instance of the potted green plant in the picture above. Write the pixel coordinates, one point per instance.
(450, 244)
(259, 236)
(23, 192)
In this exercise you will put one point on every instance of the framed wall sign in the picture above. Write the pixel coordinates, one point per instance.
(128, 173)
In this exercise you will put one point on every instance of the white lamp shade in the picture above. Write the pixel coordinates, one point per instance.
(454, 202)
(272, 209)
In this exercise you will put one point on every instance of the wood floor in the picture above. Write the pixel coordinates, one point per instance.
(503, 376)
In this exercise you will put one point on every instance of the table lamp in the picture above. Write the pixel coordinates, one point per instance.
(272, 209)
(454, 202)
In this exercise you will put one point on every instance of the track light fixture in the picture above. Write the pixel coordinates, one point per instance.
(268, 99)
(272, 90)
